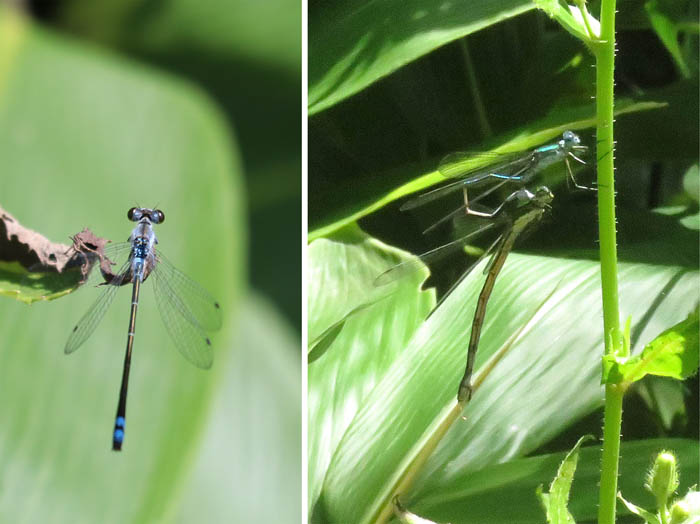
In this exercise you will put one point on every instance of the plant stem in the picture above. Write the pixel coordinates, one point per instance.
(606, 181)
(611, 453)
(605, 55)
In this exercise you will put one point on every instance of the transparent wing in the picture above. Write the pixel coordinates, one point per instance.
(432, 195)
(488, 253)
(461, 211)
(188, 312)
(470, 165)
(116, 250)
(84, 328)
(414, 264)
(197, 304)
(461, 166)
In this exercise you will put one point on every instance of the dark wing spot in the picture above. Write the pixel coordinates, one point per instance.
(75, 328)
(216, 305)
(208, 341)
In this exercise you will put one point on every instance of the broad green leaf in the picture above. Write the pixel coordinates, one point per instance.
(536, 134)
(354, 44)
(251, 440)
(342, 274)
(556, 501)
(674, 353)
(547, 380)
(479, 496)
(84, 137)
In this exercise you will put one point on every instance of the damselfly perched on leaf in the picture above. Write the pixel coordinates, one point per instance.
(187, 309)
(519, 212)
(518, 167)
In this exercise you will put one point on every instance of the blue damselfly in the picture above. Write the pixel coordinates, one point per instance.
(518, 167)
(187, 309)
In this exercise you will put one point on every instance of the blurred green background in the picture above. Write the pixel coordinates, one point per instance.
(192, 107)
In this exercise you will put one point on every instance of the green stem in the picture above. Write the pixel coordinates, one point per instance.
(611, 453)
(606, 182)
(605, 54)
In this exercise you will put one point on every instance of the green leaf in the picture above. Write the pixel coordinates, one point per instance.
(354, 44)
(667, 30)
(674, 353)
(18, 283)
(648, 516)
(479, 496)
(84, 136)
(546, 129)
(215, 27)
(341, 277)
(545, 382)
(556, 501)
(232, 466)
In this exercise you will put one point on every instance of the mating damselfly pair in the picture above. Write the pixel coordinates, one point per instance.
(187, 309)
(521, 211)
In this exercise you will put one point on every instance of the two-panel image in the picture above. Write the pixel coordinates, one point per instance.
(349, 262)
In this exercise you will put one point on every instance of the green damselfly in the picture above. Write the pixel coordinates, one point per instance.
(521, 211)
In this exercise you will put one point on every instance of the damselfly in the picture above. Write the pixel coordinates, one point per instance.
(518, 213)
(519, 167)
(187, 310)
(522, 210)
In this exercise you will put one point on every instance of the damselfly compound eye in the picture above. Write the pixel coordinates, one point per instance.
(158, 216)
(130, 214)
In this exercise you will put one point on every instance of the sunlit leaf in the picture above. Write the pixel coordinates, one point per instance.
(479, 496)
(353, 44)
(674, 353)
(547, 380)
(556, 500)
(342, 275)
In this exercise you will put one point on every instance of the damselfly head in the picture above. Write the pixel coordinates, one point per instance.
(543, 196)
(156, 216)
(569, 140)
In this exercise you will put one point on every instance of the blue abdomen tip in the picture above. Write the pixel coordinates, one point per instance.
(118, 435)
